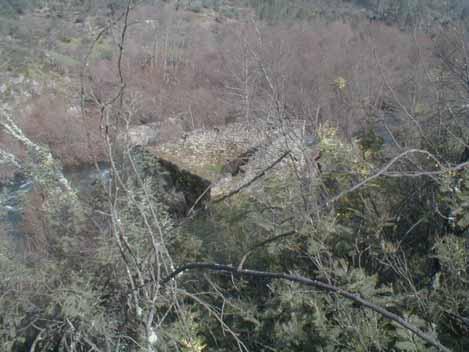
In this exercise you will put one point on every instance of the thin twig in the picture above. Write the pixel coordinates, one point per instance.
(263, 243)
(384, 170)
(258, 176)
(314, 283)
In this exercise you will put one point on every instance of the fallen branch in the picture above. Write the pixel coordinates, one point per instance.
(314, 283)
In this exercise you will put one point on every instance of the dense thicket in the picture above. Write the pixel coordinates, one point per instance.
(385, 95)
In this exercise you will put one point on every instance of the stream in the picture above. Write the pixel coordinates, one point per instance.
(11, 195)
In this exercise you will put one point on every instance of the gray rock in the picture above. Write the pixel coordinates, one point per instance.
(152, 133)
(148, 134)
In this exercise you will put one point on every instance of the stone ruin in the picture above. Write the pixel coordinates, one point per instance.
(207, 164)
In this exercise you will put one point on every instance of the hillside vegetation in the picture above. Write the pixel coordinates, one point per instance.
(234, 175)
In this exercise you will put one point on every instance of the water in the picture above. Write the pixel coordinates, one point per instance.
(12, 193)
(85, 179)
(11, 212)
(10, 202)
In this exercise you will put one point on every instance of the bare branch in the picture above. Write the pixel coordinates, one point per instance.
(314, 283)
(263, 243)
(383, 172)
(254, 179)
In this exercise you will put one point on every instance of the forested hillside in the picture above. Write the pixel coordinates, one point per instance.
(234, 175)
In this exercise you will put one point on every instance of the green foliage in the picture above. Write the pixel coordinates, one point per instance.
(370, 143)
(361, 244)
(278, 10)
(456, 187)
(15, 7)
(399, 242)
(410, 12)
